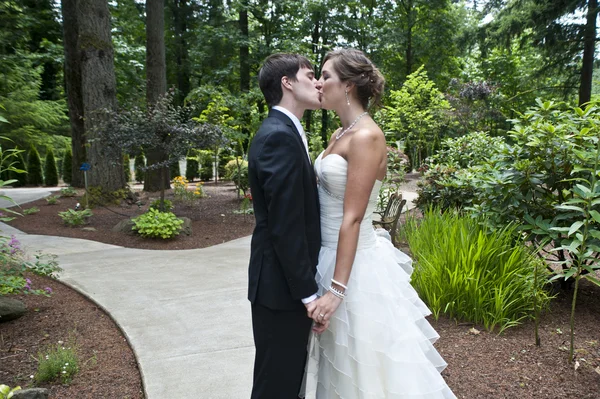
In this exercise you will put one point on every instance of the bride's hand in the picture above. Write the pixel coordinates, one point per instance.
(325, 307)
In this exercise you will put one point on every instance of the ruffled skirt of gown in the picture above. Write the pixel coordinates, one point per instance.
(378, 344)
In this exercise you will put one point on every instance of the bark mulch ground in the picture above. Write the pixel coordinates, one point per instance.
(480, 364)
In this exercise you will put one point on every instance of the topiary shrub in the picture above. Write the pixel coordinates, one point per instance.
(67, 165)
(50, 169)
(206, 173)
(174, 170)
(224, 159)
(126, 169)
(34, 168)
(191, 168)
(138, 167)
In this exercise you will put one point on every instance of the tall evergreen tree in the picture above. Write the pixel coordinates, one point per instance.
(99, 91)
(35, 176)
(67, 166)
(139, 163)
(50, 169)
(156, 86)
(72, 70)
(126, 169)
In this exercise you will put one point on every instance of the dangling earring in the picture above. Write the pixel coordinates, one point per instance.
(347, 99)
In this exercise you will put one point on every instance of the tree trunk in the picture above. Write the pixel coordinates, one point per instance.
(73, 87)
(156, 84)
(98, 86)
(587, 69)
(180, 17)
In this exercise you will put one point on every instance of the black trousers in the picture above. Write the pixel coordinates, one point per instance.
(281, 339)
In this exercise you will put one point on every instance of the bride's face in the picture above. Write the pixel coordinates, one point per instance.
(332, 92)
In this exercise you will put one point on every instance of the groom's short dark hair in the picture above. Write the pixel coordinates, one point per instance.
(275, 67)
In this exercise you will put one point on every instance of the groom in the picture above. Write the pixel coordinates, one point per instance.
(287, 237)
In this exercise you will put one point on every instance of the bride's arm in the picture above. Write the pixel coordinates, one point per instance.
(364, 157)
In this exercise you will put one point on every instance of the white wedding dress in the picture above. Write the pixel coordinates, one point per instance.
(378, 344)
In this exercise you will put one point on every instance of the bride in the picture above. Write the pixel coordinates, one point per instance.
(378, 343)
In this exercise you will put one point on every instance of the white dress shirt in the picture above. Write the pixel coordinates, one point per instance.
(300, 129)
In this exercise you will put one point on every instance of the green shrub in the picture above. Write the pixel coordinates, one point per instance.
(34, 168)
(126, 169)
(174, 170)
(224, 159)
(73, 218)
(58, 363)
(68, 192)
(139, 164)
(168, 205)
(19, 173)
(155, 224)
(237, 172)
(50, 169)
(207, 159)
(191, 168)
(470, 273)
(67, 165)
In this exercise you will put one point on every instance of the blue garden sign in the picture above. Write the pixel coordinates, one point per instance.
(85, 167)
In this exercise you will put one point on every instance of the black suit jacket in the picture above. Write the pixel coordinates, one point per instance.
(287, 237)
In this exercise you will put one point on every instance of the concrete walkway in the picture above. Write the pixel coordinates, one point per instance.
(185, 313)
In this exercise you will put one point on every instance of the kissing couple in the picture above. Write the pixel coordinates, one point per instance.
(333, 311)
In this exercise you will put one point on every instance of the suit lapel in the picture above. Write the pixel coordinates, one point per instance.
(284, 118)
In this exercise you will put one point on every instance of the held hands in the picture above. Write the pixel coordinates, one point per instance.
(321, 311)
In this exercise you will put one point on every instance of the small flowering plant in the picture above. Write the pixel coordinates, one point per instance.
(59, 362)
(181, 192)
(13, 266)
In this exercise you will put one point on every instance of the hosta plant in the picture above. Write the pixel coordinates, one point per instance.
(156, 224)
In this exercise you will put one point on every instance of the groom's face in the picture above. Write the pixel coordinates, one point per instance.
(306, 89)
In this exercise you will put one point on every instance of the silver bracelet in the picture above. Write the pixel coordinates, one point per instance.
(337, 292)
(338, 283)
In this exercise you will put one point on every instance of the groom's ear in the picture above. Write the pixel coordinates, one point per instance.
(286, 83)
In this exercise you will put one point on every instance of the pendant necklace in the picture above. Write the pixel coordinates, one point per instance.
(340, 134)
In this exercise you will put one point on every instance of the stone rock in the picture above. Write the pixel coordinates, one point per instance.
(124, 226)
(186, 227)
(32, 393)
(11, 309)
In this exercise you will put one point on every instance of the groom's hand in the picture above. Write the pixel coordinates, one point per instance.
(310, 307)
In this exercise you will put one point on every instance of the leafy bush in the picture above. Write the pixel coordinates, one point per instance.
(156, 224)
(50, 169)
(74, 218)
(58, 363)
(67, 165)
(237, 172)
(470, 273)
(34, 168)
(224, 159)
(168, 205)
(139, 164)
(68, 192)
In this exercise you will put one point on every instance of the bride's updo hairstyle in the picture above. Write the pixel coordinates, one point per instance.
(353, 66)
